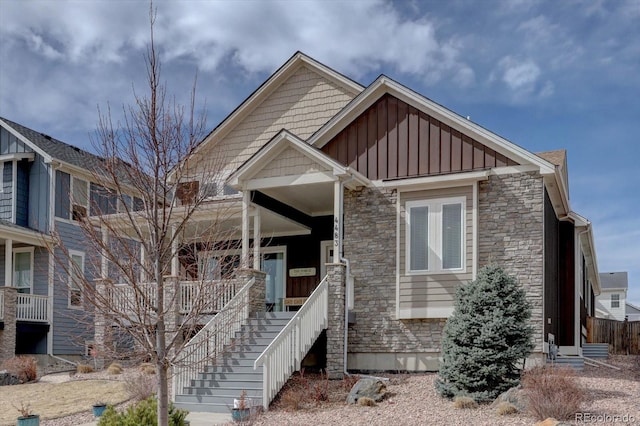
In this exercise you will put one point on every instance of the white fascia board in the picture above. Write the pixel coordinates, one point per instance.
(18, 156)
(26, 141)
(432, 182)
(385, 85)
(25, 236)
(274, 182)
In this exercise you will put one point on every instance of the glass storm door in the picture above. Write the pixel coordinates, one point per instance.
(273, 264)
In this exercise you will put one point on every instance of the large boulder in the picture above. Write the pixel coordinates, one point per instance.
(368, 387)
(515, 396)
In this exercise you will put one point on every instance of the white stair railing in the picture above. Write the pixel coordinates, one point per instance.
(1, 304)
(32, 307)
(285, 353)
(210, 341)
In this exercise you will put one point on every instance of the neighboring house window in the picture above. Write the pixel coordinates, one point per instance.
(125, 202)
(435, 235)
(186, 192)
(209, 189)
(615, 300)
(23, 269)
(76, 273)
(79, 198)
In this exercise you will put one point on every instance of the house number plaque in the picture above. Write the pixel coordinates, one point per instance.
(302, 272)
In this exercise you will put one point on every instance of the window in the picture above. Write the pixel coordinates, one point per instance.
(76, 274)
(615, 300)
(79, 198)
(435, 235)
(23, 269)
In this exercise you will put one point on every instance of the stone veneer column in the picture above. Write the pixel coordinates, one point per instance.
(336, 273)
(102, 330)
(8, 335)
(257, 292)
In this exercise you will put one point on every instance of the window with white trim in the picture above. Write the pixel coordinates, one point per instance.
(615, 300)
(435, 240)
(76, 274)
(23, 269)
(79, 198)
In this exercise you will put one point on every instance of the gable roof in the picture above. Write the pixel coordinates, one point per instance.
(277, 145)
(276, 79)
(614, 280)
(631, 308)
(384, 85)
(52, 148)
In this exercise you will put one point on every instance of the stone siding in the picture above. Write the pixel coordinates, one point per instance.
(370, 245)
(511, 234)
(335, 330)
(8, 334)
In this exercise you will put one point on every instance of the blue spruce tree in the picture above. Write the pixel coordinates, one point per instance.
(486, 338)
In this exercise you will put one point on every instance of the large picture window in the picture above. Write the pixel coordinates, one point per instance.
(435, 235)
(23, 269)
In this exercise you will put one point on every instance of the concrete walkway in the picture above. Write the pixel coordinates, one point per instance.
(196, 419)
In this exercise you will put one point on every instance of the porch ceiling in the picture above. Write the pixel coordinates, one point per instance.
(314, 199)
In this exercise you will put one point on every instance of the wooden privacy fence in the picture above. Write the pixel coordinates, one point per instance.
(623, 337)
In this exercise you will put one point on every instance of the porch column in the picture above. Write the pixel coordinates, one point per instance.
(8, 334)
(336, 274)
(8, 263)
(143, 263)
(175, 264)
(256, 240)
(104, 262)
(246, 201)
(337, 221)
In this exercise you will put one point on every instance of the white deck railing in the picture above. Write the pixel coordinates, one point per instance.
(32, 307)
(1, 304)
(285, 353)
(209, 342)
(126, 298)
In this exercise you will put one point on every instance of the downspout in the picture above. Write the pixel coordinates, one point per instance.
(348, 280)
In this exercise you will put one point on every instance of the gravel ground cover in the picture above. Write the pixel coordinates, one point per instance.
(412, 400)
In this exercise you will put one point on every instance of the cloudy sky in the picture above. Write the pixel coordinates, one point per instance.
(543, 74)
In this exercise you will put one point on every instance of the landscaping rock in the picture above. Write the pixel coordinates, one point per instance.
(515, 396)
(7, 379)
(369, 388)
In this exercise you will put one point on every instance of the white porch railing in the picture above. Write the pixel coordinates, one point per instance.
(218, 294)
(285, 353)
(1, 304)
(126, 298)
(209, 342)
(32, 307)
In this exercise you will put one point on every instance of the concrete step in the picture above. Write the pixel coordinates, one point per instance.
(222, 405)
(274, 315)
(595, 350)
(257, 334)
(249, 340)
(234, 361)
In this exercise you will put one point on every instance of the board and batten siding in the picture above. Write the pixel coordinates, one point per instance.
(22, 192)
(430, 295)
(302, 104)
(392, 139)
(39, 189)
(9, 144)
(6, 196)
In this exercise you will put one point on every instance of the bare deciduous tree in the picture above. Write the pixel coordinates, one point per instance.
(144, 225)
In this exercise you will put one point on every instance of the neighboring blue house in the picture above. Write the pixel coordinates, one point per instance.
(45, 187)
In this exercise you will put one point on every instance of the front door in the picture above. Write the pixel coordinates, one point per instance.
(274, 265)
